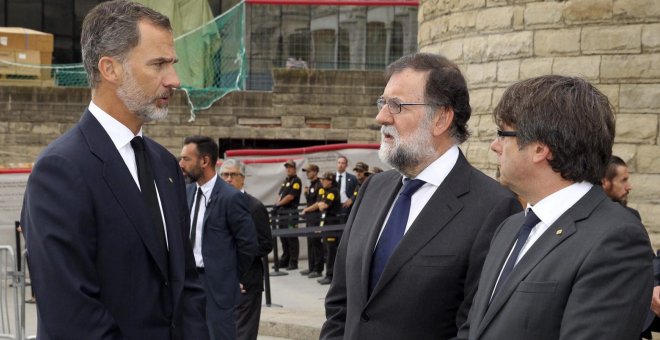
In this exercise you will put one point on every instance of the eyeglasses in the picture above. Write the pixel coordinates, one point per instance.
(393, 105)
(230, 174)
(502, 134)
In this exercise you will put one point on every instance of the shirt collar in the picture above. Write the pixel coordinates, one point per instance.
(436, 172)
(208, 187)
(550, 208)
(118, 132)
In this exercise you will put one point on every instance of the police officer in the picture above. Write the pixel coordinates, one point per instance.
(330, 205)
(361, 170)
(286, 209)
(313, 218)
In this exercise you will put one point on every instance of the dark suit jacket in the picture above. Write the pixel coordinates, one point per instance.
(427, 286)
(591, 280)
(351, 182)
(97, 267)
(229, 241)
(253, 279)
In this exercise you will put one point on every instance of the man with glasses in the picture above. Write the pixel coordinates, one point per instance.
(410, 257)
(248, 310)
(222, 234)
(575, 264)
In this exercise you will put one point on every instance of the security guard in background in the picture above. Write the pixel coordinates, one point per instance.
(286, 209)
(330, 206)
(313, 218)
(361, 170)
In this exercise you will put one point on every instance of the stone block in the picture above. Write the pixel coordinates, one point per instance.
(470, 4)
(651, 220)
(543, 13)
(581, 11)
(481, 99)
(477, 154)
(462, 21)
(47, 129)
(645, 188)
(223, 121)
(363, 136)
(535, 67)
(636, 128)
(495, 19)
(639, 98)
(612, 39)
(651, 38)
(633, 67)
(648, 161)
(474, 48)
(636, 9)
(20, 127)
(451, 49)
(498, 92)
(481, 73)
(612, 93)
(218, 131)
(439, 28)
(586, 67)
(557, 42)
(518, 18)
(293, 121)
(473, 127)
(508, 71)
(509, 45)
(4, 127)
(487, 128)
(627, 152)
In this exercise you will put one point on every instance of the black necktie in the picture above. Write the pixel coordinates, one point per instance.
(193, 227)
(530, 221)
(393, 231)
(148, 188)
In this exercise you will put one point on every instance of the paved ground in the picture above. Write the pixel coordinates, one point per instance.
(296, 311)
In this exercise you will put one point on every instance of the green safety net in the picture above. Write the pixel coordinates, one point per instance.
(212, 62)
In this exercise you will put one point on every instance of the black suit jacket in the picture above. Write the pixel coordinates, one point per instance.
(229, 241)
(97, 268)
(253, 279)
(427, 286)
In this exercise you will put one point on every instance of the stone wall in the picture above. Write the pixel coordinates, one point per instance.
(304, 104)
(615, 44)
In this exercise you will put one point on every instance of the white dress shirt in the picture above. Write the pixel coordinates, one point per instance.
(121, 137)
(207, 188)
(433, 175)
(342, 186)
(548, 211)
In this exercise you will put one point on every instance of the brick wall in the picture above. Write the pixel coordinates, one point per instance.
(615, 44)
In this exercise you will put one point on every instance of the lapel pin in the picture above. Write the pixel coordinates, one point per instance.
(170, 178)
(559, 231)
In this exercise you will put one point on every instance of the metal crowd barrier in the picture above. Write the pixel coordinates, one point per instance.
(12, 304)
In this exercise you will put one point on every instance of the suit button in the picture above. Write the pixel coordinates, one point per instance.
(172, 325)
(365, 317)
(166, 283)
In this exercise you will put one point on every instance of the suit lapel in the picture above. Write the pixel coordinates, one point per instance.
(123, 187)
(213, 199)
(436, 214)
(539, 250)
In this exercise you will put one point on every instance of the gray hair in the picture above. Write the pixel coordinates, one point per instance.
(230, 162)
(111, 29)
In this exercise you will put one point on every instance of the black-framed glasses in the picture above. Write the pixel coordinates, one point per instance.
(501, 133)
(393, 105)
(230, 174)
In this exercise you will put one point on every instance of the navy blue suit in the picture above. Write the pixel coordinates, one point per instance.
(98, 270)
(229, 244)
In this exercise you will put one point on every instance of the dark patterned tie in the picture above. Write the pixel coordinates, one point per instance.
(148, 188)
(393, 231)
(530, 221)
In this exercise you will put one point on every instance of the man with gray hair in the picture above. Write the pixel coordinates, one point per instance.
(105, 215)
(248, 310)
(410, 257)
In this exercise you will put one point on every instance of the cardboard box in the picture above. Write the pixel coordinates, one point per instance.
(7, 68)
(16, 38)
